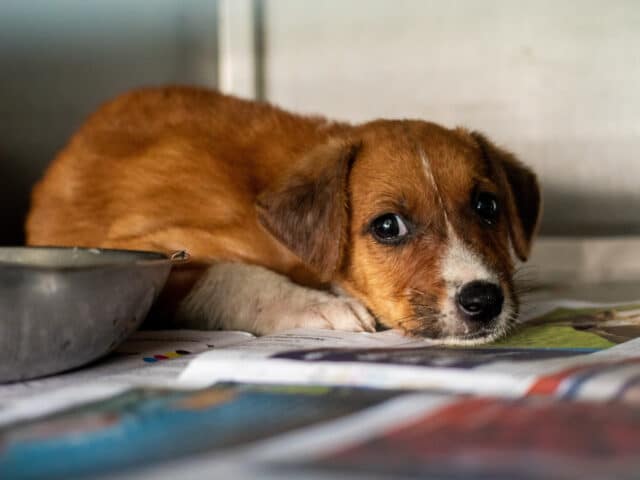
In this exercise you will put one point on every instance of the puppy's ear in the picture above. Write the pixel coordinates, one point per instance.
(307, 210)
(522, 193)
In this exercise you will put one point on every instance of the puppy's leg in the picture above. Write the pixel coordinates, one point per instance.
(236, 296)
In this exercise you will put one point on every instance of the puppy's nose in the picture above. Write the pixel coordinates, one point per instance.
(480, 301)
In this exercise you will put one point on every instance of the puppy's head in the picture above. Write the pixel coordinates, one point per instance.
(416, 221)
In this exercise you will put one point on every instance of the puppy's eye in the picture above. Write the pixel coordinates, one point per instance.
(389, 228)
(486, 206)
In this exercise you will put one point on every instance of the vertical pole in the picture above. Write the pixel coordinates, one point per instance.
(259, 49)
(216, 43)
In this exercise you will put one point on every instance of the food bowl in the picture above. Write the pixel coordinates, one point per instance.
(61, 308)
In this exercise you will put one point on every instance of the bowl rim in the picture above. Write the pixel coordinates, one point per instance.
(145, 258)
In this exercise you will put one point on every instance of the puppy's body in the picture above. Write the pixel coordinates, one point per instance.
(300, 199)
(174, 169)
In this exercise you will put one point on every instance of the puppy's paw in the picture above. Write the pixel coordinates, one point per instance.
(318, 310)
(338, 313)
(236, 296)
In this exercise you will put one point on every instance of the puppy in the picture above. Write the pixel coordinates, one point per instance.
(297, 221)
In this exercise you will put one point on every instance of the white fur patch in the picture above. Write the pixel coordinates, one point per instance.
(460, 266)
(237, 296)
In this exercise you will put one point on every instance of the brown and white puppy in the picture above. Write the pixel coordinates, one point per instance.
(297, 221)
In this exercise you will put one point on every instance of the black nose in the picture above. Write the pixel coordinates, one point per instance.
(480, 301)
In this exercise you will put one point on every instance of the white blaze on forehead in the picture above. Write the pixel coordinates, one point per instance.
(460, 265)
(428, 172)
(426, 165)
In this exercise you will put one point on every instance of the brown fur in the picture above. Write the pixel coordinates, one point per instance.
(226, 179)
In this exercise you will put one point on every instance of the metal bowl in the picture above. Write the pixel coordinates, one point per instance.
(61, 308)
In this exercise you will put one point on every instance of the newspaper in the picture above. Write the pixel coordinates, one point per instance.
(156, 359)
(244, 431)
(565, 349)
(193, 359)
(151, 358)
(294, 409)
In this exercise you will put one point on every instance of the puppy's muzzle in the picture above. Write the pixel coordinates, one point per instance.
(480, 302)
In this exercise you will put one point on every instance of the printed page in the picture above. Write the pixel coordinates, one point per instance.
(303, 338)
(344, 428)
(558, 338)
(142, 426)
(267, 458)
(573, 324)
(603, 376)
(468, 437)
(153, 358)
(414, 435)
(384, 359)
(400, 367)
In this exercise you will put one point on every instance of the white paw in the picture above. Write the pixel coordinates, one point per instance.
(236, 296)
(317, 310)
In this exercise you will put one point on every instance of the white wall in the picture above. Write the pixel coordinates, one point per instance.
(558, 82)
